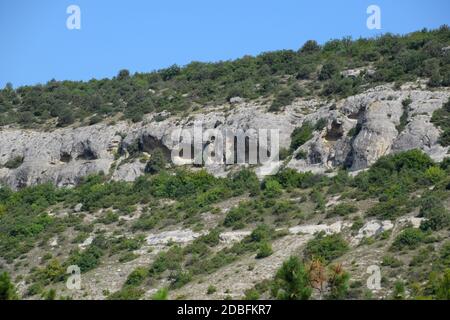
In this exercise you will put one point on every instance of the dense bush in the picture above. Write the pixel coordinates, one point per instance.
(290, 178)
(136, 277)
(395, 175)
(342, 209)
(167, 260)
(127, 293)
(326, 247)
(24, 218)
(404, 117)
(329, 70)
(7, 288)
(292, 281)
(338, 283)
(272, 188)
(236, 216)
(301, 135)
(409, 238)
(441, 118)
(156, 163)
(265, 250)
(283, 98)
(433, 210)
(88, 259)
(443, 286)
(310, 46)
(161, 294)
(389, 210)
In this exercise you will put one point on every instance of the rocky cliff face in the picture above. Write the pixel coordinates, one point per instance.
(359, 130)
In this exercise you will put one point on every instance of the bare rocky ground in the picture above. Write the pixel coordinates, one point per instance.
(230, 281)
(233, 280)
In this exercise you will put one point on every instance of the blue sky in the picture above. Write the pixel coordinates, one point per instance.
(146, 35)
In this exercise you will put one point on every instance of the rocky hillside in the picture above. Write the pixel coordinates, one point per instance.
(355, 132)
(362, 182)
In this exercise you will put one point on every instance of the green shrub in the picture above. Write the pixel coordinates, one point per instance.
(390, 209)
(321, 124)
(284, 153)
(301, 135)
(137, 277)
(251, 294)
(292, 281)
(49, 295)
(433, 210)
(127, 293)
(301, 155)
(406, 102)
(338, 284)
(445, 254)
(326, 247)
(169, 260)
(109, 217)
(283, 98)
(272, 188)
(265, 250)
(409, 238)
(87, 259)
(235, 217)
(404, 117)
(35, 289)
(357, 224)
(435, 174)
(421, 257)
(14, 163)
(328, 70)
(318, 198)
(305, 71)
(161, 294)
(399, 290)
(390, 261)
(53, 272)
(179, 278)
(342, 209)
(7, 288)
(211, 289)
(397, 173)
(443, 286)
(156, 163)
(290, 178)
(262, 233)
(127, 257)
(441, 118)
(309, 47)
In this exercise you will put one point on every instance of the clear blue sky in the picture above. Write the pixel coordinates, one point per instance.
(143, 35)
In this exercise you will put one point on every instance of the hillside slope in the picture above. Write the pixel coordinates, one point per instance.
(362, 182)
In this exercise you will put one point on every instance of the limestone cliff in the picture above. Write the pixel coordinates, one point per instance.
(359, 130)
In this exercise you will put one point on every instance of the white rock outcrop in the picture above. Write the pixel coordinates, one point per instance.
(66, 155)
(370, 229)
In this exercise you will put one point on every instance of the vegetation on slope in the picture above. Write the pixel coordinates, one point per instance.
(441, 118)
(279, 75)
(392, 183)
